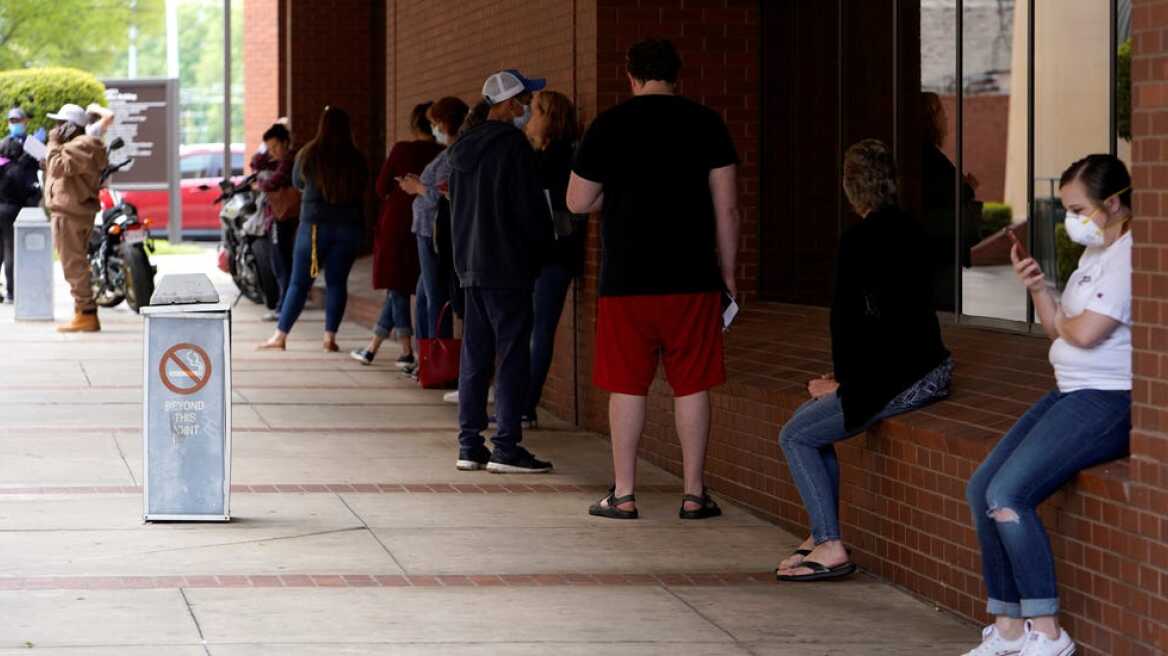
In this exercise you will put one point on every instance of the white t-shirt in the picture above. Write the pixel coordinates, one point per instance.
(1102, 284)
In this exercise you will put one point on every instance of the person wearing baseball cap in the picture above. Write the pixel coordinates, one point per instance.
(19, 188)
(73, 168)
(511, 89)
(501, 233)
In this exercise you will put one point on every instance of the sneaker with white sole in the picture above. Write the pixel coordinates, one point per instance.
(364, 356)
(473, 460)
(452, 397)
(270, 315)
(993, 644)
(1039, 644)
(406, 362)
(521, 462)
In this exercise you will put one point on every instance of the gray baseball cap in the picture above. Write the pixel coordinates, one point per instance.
(17, 114)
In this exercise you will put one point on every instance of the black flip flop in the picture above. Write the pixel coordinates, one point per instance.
(804, 553)
(819, 572)
(607, 507)
(708, 508)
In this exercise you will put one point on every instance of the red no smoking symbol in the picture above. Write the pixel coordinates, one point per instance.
(185, 368)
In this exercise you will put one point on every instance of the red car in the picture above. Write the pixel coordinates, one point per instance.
(200, 165)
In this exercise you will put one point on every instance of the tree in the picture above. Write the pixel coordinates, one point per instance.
(84, 34)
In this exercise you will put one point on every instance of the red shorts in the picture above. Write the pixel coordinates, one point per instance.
(634, 333)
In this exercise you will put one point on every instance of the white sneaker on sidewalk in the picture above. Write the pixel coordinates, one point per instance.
(270, 315)
(993, 644)
(1039, 644)
(452, 397)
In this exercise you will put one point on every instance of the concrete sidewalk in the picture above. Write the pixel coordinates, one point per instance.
(354, 534)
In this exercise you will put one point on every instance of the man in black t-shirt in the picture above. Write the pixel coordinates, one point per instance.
(661, 169)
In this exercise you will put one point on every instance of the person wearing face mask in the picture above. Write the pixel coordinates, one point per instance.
(395, 250)
(73, 168)
(446, 116)
(19, 188)
(1082, 423)
(501, 230)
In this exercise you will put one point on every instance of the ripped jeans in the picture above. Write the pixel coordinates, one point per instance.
(1061, 435)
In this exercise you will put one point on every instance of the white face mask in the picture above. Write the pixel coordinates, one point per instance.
(521, 121)
(1082, 230)
(440, 135)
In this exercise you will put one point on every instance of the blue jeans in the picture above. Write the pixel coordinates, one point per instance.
(336, 249)
(809, 437)
(432, 293)
(551, 288)
(496, 339)
(1061, 435)
(395, 316)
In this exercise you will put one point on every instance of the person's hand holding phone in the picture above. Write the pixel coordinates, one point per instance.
(411, 184)
(1025, 266)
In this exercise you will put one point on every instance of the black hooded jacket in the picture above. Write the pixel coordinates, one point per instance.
(500, 222)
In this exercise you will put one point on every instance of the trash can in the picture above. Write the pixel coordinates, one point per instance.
(33, 266)
(187, 406)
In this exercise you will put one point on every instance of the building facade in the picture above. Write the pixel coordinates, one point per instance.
(797, 82)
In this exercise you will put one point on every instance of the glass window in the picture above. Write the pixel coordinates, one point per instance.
(195, 165)
(994, 161)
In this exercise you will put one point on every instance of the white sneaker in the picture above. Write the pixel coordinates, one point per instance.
(270, 315)
(452, 397)
(993, 644)
(1038, 644)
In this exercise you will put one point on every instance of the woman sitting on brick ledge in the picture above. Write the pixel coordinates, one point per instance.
(1086, 421)
(886, 348)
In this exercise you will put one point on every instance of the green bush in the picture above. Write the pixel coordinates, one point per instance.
(994, 217)
(1123, 99)
(39, 91)
(1068, 254)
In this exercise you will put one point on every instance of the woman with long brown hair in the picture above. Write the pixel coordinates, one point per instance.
(553, 133)
(332, 177)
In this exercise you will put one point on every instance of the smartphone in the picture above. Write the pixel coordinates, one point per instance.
(729, 310)
(1017, 242)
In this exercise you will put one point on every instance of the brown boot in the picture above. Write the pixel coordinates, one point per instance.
(83, 322)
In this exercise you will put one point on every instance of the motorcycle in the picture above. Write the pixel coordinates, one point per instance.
(119, 249)
(246, 251)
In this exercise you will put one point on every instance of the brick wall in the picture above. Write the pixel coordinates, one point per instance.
(985, 150)
(330, 61)
(262, 94)
(449, 47)
(1149, 487)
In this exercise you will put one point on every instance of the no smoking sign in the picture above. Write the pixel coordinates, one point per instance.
(185, 368)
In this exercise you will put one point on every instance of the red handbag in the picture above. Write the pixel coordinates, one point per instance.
(438, 358)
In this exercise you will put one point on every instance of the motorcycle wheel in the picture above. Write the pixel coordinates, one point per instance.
(139, 277)
(246, 277)
(262, 247)
(103, 295)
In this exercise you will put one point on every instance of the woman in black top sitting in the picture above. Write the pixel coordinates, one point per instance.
(886, 348)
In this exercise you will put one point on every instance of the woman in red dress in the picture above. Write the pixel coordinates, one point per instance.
(395, 249)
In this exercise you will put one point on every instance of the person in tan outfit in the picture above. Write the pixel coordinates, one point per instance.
(73, 169)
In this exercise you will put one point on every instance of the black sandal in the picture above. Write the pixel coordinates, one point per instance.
(607, 507)
(803, 553)
(708, 507)
(819, 572)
